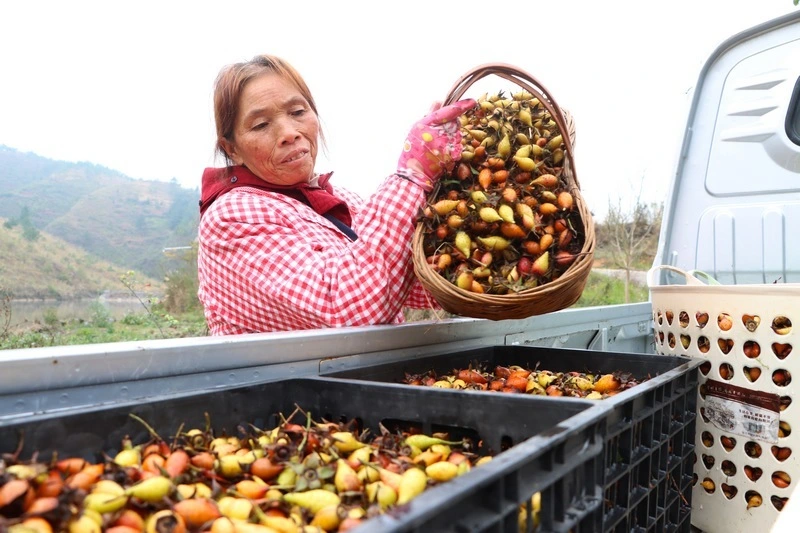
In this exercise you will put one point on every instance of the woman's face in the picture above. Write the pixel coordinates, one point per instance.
(276, 132)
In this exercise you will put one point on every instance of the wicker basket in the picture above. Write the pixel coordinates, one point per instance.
(551, 296)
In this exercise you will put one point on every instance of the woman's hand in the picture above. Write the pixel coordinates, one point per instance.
(433, 145)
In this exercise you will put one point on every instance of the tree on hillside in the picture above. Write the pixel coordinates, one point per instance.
(181, 282)
(29, 231)
(5, 311)
(631, 235)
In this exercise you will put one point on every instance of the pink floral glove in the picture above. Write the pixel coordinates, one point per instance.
(433, 145)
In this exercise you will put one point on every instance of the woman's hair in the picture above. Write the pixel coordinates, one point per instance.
(231, 82)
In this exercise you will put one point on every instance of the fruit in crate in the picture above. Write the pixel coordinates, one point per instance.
(516, 379)
(504, 219)
(313, 474)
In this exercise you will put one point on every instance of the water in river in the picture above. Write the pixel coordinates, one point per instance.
(31, 312)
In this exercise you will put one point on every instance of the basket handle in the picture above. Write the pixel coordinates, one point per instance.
(691, 276)
(527, 82)
(709, 279)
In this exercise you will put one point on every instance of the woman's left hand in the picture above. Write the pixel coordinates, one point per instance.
(433, 145)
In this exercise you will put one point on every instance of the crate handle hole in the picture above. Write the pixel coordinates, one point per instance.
(781, 325)
(729, 491)
(751, 322)
(708, 461)
(781, 350)
(703, 344)
(728, 468)
(786, 401)
(725, 345)
(753, 473)
(781, 453)
(752, 449)
(778, 502)
(781, 377)
(686, 341)
(753, 499)
(751, 349)
(752, 373)
(728, 443)
(781, 479)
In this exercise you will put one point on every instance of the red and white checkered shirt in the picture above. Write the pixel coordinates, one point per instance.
(268, 262)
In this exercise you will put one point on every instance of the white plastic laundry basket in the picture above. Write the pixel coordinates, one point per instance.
(748, 426)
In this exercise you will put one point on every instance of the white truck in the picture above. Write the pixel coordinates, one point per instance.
(733, 211)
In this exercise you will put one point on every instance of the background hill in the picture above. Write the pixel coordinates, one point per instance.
(46, 267)
(113, 218)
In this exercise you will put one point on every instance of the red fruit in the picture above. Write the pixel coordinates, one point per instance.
(502, 372)
(471, 376)
(565, 259)
(497, 384)
(524, 265)
(517, 382)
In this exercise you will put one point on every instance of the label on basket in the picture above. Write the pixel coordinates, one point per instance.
(745, 412)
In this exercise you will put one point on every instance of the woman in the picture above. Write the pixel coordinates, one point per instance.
(280, 247)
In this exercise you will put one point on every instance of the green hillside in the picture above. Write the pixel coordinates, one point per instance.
(47, 267)
(123, 221)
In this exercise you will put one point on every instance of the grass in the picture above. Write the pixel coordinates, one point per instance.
(605, 290)
(101, 329)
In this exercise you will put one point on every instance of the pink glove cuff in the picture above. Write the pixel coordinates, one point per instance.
(433, 145)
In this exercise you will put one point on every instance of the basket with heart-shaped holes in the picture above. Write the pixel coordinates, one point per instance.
(747, 457)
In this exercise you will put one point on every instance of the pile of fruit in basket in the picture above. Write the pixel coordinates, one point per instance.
(504, 220)
(516, 379)
(314, 476)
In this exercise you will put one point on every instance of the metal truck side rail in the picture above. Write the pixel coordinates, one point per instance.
(58, 378)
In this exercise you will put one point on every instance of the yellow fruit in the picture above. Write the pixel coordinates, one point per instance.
(412, 483)
(104, 503)
(525, 163)
(442, 471)
(488, 214)
(130, 457)
(327, 518)
(84, 524)
(483, 460)
(313, 500)
(151, 490)
(346, 442)
(506, 212)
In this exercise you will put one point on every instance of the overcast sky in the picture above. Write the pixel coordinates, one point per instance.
(128, 85)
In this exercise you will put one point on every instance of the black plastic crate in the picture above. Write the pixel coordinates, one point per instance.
(648, 430)
(551, 447)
